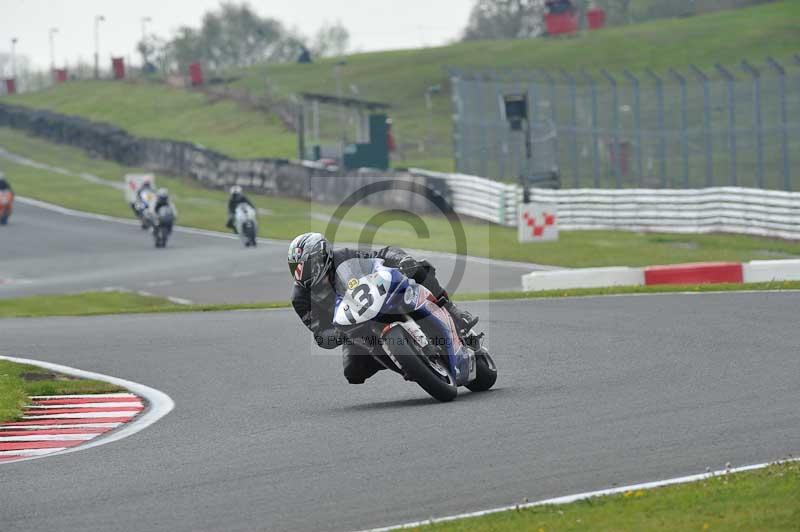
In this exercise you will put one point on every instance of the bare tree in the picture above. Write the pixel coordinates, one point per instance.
(505, 19)
(331, 40)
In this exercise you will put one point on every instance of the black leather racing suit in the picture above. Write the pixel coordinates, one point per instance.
(315, 308)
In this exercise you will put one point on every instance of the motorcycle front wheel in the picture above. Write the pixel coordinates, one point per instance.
(486, 372)
(432, 376)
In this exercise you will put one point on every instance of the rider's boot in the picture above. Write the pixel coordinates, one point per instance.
(463, 319)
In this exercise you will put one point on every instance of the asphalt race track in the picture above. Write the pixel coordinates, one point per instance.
(267, 435)
(46, 252)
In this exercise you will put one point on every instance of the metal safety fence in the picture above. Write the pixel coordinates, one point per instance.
(721, 126)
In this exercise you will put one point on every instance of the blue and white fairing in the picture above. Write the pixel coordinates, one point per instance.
(367, 290)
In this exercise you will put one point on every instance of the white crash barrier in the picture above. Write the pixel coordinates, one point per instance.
(762, 271)
(583, 278)
(739, 210)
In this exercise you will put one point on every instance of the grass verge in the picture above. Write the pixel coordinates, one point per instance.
(18, 381)
(764, 499)
(84, 304)
(284, 218)
(104, 303)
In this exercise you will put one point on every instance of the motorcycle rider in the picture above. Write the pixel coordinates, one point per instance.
(312, 263)
(147, 186)
(140, 204)
(8, 195)
(4, 184)
(162, 200)
(234, 201)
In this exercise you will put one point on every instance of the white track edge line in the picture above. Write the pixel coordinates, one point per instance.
(580, 496)
(160, 404)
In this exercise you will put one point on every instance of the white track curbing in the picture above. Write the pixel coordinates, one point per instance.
(583, 278)
(757, 271)
(159, 404)
(763, 271)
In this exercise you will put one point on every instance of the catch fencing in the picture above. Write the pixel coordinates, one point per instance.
(708, 210)
(690, 128)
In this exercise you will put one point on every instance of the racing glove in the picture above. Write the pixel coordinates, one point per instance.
(409, 266)
(329, 338)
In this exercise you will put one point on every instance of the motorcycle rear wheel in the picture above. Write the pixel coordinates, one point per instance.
(160, 237)
(431, 376)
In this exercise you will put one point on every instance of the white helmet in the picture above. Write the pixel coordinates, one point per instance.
(235, 189)
(162, 193)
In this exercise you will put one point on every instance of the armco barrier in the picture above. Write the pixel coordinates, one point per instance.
(709, 210)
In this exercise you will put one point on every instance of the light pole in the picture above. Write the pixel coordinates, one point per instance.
(342, 119)
(97, 20)
(14, 58)
(145, 20)
(52, 32)
(429, 92)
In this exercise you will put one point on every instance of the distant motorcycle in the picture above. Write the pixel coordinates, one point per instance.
(407, 331)
(246, 224)
(140, 207)
(6, 205)
(162, 224)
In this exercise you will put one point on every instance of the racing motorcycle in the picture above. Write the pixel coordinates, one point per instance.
(162, 225)
(246, 224)
(378, 306)
(140, 207)
(6, 205)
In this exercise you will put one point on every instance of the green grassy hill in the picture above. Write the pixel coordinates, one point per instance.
(155, 110)
(401, 78)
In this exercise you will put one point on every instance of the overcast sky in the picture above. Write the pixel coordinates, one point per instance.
(373, 24)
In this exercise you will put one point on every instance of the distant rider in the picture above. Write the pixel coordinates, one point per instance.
(162, 200)
(5, 186)
(8, 199)
(140, 203)
(146, 187)
(236, 199)
(312, 263)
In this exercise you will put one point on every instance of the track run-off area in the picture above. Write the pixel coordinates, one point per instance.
(267, 435)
